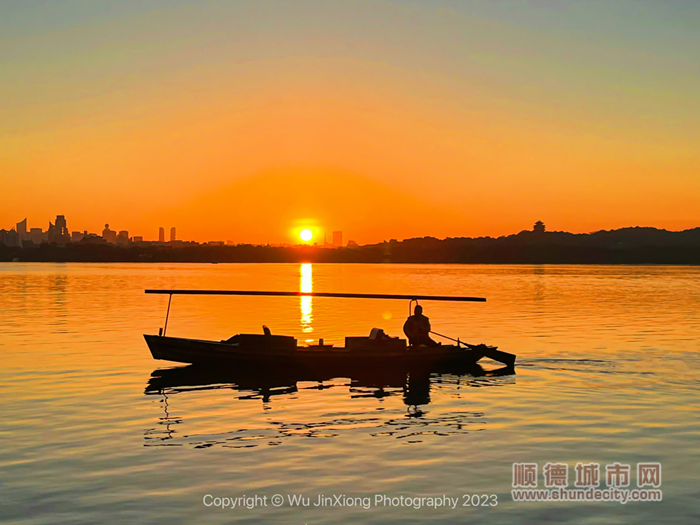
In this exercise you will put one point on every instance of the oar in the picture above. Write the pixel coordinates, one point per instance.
(489, 351)
(455, 340)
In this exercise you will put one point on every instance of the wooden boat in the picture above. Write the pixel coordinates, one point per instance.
(376, 351)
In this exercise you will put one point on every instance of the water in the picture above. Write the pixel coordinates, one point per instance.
(607, 372)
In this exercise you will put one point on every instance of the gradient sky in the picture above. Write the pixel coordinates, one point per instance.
(248, 120)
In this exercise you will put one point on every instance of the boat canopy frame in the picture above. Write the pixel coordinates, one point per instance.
(258, 293)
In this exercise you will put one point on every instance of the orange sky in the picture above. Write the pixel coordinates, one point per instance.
(381, 119)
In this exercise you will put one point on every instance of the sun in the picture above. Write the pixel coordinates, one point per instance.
(306, 235)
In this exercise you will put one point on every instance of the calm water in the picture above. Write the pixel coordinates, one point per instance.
(608, 371)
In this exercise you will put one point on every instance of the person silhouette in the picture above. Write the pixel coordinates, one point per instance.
(417, 328)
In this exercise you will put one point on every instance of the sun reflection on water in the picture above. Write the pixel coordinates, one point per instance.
(306, 302)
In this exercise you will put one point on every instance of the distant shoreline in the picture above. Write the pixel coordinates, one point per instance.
(641, 246)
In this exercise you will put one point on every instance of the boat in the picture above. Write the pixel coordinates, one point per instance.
(376, 350)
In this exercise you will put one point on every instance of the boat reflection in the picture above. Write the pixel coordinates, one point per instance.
(267, 385)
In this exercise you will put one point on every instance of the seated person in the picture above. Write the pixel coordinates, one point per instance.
(417, 329)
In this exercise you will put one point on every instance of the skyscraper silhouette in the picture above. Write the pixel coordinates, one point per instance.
(123, 238)
(58, 233)
(172, 234)
(22, 230)
(337, 238)
(61, 225)
(161, 234)
(109, 235)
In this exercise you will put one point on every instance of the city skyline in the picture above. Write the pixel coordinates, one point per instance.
(537, 245)
(59, 233)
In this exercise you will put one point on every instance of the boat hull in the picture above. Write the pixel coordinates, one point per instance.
(221, 354)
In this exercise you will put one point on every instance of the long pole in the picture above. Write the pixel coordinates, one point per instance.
(319, 294)
(489, 351)
(453, 339)
(167, 314)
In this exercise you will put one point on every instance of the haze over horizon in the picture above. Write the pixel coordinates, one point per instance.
(251, 120)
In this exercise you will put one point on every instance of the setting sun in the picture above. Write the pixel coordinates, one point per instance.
(306, 235)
